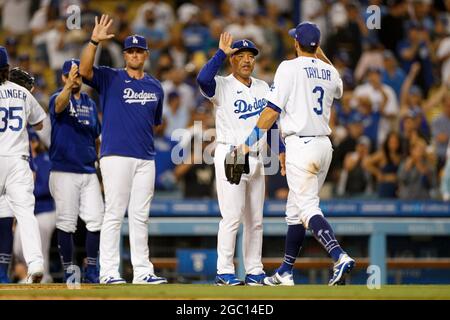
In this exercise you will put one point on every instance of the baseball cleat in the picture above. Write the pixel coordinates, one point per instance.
(35, 274)
(112, 280)
(227, 279)
(150, 279)
(286, 279)
(344, 265)
(255, 279)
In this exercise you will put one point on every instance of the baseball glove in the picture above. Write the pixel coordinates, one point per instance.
(21, 77)
(236, 163)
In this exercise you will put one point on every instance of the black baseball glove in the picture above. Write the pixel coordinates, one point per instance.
(22, 78)
(236, 163)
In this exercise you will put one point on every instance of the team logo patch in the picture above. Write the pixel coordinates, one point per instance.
(249, 110)
(138, 97)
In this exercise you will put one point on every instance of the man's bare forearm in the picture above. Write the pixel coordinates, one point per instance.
(62, 100)
(87, 61)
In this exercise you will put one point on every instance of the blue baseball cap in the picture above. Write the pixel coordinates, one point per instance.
(3, 57)
(68, 65)
(307, 34)
(135, 41)
(245, 44)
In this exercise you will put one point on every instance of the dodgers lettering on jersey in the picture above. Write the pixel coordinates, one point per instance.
(238, 108)
(74, 132)
(303, 90)
(18, 108)
(130, 110)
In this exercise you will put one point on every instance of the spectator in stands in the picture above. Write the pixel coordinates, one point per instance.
(383, 106)
(441, 132)
(412, 103)
(392, 75)
(445, 181)
(383, 165)
(196, 176)
(348, 36)
(12, 46)
(392, 31)
(164, 175)
(417, 47)
(245, 28)
(341, 62)
(176, 117)
(443, 57)
(410, 131)
(16, 16)
(372, 57)
(417, 174)
(177, 82)
(195, 35)
(163, 12)
(354, 180)
(355, 130)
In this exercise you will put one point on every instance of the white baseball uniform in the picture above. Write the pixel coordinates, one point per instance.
(18, 108)
(303, 92)
(237, 110)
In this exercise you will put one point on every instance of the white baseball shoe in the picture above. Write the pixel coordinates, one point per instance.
(35, 274)
(149, 279)
(112, 280)
(285, 279)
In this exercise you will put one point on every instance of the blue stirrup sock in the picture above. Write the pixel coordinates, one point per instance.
(294, 240)
(323, 232)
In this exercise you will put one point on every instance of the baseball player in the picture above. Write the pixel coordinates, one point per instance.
(18, 108)
(73, 180)
(131, 101)
(44, 205)
(238, 99)
(302, 96)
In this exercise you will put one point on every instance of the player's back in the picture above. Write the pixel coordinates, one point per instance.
(17, 108)
(311, 86)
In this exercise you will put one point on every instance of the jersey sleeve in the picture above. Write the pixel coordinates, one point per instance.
(206, 78)
(36, 113)
(339, 88)
(279, 91)
(101, 79)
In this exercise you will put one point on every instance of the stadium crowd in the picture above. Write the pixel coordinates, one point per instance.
(391, 129)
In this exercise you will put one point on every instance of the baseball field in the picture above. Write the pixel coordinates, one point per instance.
(199, 292)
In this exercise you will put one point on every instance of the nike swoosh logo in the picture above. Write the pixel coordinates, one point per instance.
(127, 81)
(307, 141)
(239, 92)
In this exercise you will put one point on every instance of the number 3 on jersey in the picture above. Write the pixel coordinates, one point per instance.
(14, 119)
(319, 109)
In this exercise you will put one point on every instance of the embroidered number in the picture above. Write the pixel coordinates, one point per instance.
(15, 120)
(319, 109)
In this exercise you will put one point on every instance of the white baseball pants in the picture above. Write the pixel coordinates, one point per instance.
(47, 223)
(243, 202)
(76, 194)
(16, 183)
(128, 183)
(307, 162)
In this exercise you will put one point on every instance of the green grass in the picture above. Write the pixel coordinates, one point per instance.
(178, 291)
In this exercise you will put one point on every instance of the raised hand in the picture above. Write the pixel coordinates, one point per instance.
(100, 31)
(72, 76)
(225, 42)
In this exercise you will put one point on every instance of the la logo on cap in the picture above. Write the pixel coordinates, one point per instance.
(135, 40)
(245, 43)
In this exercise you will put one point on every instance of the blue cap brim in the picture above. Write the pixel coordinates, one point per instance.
(139, 47)
(254, 50)
(292, 32)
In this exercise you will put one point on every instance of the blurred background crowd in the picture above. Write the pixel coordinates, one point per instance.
(390, 129)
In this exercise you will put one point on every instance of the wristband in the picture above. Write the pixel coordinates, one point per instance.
(95, 43)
